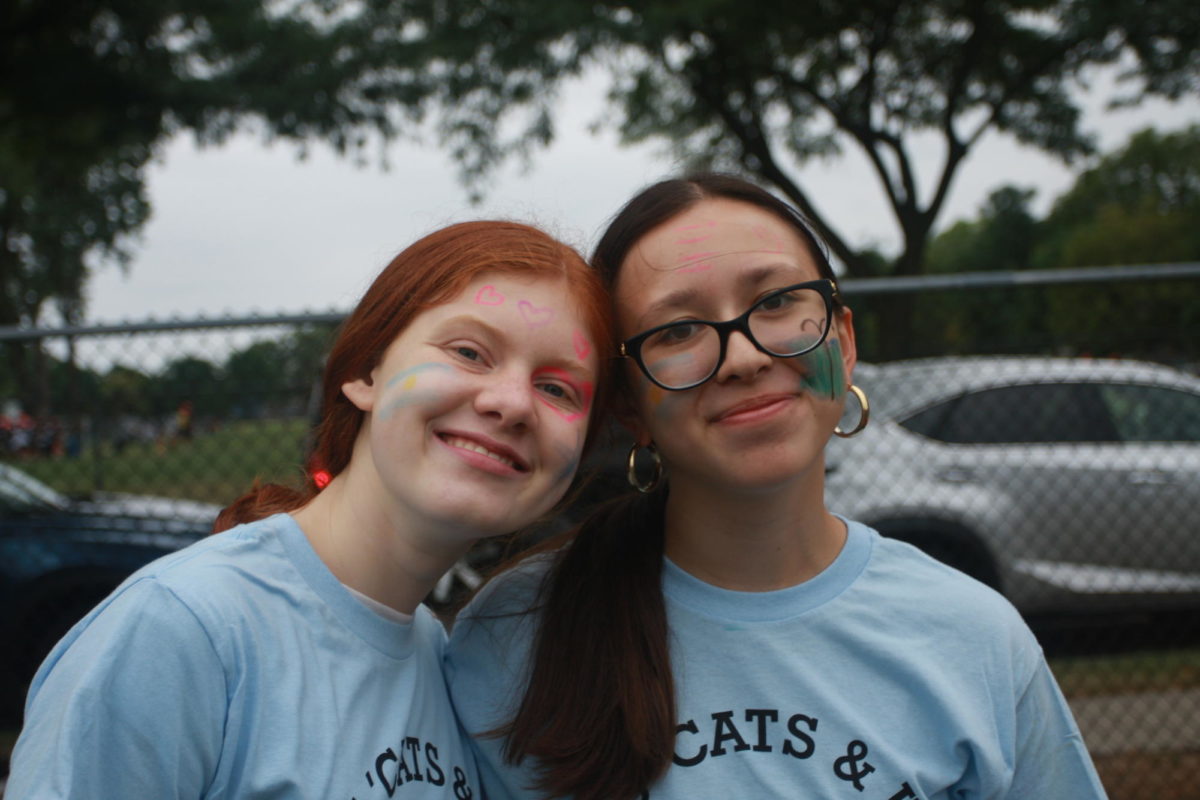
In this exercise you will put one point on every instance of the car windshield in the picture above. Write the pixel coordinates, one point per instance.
(19, 491)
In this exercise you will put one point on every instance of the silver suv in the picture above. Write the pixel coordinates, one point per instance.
(1067, 484)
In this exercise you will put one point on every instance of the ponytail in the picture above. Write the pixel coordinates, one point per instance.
(599, 711)
(261, 501)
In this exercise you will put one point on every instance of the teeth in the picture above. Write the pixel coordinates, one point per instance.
(476, 447)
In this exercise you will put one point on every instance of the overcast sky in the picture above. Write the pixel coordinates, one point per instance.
(248, 228)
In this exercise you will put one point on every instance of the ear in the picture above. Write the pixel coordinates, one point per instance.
(845, 330)
(361, 392)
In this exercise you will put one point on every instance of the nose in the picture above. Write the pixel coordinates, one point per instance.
(743, 361)
(507, 397)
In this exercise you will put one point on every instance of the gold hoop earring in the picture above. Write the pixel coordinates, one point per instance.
(631, 470)
(864, 417)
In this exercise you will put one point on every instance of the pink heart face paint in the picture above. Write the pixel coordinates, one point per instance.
(535, 317)
(581, 344)
(488, 296)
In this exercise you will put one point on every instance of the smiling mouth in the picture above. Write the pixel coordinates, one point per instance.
(751, 407)
(476, 447)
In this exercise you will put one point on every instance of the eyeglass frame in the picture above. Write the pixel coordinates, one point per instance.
(632, 347)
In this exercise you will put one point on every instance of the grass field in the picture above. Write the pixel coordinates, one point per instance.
(1127, 673)
(214, 466)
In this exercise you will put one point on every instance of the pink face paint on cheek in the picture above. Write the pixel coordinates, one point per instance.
(585, 389)
(488, 296)
(535, 317)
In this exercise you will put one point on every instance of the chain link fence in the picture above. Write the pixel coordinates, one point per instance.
(1040, 431)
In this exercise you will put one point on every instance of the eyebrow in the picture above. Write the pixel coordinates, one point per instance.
(682, 298)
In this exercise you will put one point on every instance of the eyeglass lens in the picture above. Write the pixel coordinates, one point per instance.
(784, 324)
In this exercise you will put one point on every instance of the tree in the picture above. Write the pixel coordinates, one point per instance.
(90, 89)
(255, 378)
(1138, 205)
(193, 380)
(765, 86)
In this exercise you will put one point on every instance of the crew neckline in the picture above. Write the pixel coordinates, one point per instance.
(686, 589)
(391, 637)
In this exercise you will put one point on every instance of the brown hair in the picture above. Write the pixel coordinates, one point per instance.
(430, 272)
(599, 711)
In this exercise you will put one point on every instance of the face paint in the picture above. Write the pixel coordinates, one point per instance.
(582, 347)
(488, 296)
(407, 381)
(570, 457)
(535, 317)
(584, 389)
(674, 370)
(824, 375)
(408, 376)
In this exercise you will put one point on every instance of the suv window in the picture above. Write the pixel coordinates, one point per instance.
(1152, 413)
(1023, 414)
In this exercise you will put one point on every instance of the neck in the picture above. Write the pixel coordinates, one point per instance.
(378, 551)
(752, 541)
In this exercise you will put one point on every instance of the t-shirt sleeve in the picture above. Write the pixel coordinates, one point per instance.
(132, 703)
(1051, 759)
(486, 671)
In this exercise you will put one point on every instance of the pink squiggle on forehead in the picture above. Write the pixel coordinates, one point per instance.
(693, 239)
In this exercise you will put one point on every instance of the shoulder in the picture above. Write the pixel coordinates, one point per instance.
(516, 590)
(493, 634)
(216, 569)
(200, 588)
(918, 591)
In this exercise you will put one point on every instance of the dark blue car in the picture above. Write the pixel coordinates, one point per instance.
(59, 557)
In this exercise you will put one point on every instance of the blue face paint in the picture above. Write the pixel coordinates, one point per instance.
(412, 372)
(571, 458)
(413, 398)
(410, 395)
(824, 375)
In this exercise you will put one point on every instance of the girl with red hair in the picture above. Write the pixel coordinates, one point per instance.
(290, 656)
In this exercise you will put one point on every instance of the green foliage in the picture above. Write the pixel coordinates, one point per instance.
(89, 90)
(215, 466)
(1138, 205)
(760, 87)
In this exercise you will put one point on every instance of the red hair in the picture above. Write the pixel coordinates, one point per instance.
(431, 271)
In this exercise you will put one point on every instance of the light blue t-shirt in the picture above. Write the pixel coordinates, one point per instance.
(888, 676)
(240, 667)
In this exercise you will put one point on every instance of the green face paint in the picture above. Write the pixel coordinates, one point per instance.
(823, 373)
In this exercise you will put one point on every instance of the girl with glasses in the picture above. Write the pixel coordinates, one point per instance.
(721, 633)
(289, 656)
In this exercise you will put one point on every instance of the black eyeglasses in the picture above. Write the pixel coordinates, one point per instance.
(785, 323)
